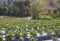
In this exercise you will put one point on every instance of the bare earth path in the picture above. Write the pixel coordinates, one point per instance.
(14, 18)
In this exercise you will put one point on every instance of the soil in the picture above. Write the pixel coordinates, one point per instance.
(13, 18)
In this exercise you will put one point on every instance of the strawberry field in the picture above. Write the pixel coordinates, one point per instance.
(29, 30)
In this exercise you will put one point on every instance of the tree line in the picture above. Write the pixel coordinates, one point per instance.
(24, 8)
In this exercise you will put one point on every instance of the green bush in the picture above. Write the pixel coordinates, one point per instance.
(33, 39)
(44, 17)
(24, 33)
(33, 33)
(8, 37)
(54, 38)
(0, 38)
(17, 35)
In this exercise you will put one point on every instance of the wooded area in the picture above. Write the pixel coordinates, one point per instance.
(25, 8)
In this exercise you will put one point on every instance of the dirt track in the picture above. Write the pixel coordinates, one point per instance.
(14, 18)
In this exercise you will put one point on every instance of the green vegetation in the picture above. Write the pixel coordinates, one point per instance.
(46, 19)
(0, 38)
(54, 38)
(33, 39)
(12, 25)
(8, 37)
(27, 8)
(18, 28)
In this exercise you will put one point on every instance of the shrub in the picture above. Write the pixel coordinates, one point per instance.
(0, 38)
(33, 33)
(8, 37)
(33, 39)
(17, 35)
(54, 38)
(24, 33)
(44, 17)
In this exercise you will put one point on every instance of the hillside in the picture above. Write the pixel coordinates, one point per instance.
(49, 4)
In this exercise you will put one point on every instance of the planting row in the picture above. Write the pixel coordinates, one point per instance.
(21, 29)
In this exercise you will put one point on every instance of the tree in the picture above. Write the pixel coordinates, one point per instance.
(13, 11)
(51, 3)
(3, 11)
(35, 9)
(20, 8)
(58, 1)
